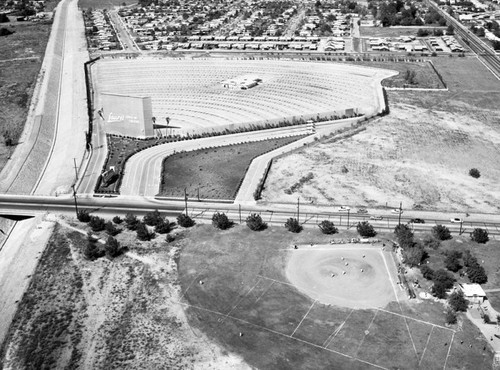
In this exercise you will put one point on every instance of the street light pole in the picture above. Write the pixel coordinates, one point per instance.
(186, 201)
(74, 197)
(298, 209)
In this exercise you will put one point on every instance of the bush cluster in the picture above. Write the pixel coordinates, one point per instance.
(441, 232)
(475, 272)
(255, 223)
(293, 225)
(365, 229)
(184, 220)
(221, 221)
(479, 236)
(328, 227)
(413, 253)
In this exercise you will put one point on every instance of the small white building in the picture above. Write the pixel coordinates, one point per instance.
(473, 293)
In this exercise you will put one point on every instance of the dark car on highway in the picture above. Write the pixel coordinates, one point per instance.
(417, 221)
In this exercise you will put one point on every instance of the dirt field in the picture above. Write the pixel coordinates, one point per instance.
(235, 282)
(119, 314)
(419, 154)
(104, 4)
(216, 172)
(392, 31)
(355, 276)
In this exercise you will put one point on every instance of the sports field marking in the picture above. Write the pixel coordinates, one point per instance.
(183, 294)
(367, 329)
(390, 279)
(264, 292)
(411, 338)
(426, 344)
(242, 298)
(275, 281)
(336, 331)
(449, 349)
(414, 319)
(309, 310)
(282, 334)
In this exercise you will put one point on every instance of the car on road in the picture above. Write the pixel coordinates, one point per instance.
(456, 220)
(397, 211)
(376, 217)
(344, 209)
(362, 210)
(417, 221)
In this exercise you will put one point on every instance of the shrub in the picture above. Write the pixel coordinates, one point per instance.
(476, 273)
(96, 223)
(430, 242)
(131, 221)
(117, 220)
(328, 227)
(451, 317)
(444, 277)
(112, 248)
(365, 229)
(479, 236)
(221, 221)
(184, 220)
(93, 251)
(414, 255)
(164, 227)
(486, 318)
(143, 232)
(170, 238)
(153, 218)
(255, 223)
(427, 272)
(452, 261)
(441, 232)
(293, 225)
(457, 301)
(474, 172)
(404, 235)
(468, 258)
(111, 229)
(83, 216)
(439, 290)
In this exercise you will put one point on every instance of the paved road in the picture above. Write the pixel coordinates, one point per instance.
(121, 31)
(69, 138)
(143, 170)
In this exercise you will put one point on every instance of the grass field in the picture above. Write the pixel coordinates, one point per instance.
(216, 172)
(419, 154)
(246, 304)
(392, 31)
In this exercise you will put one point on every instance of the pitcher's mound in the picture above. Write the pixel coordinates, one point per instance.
(342, 276)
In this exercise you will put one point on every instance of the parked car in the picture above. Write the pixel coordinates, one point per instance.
(417, 221)
(376, 217)
(456, 220)
(344, 209)
(397, 211)
(362, 210)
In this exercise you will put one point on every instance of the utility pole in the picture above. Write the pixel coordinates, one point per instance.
(198, 194)
(186, 200)
(400, 210)
(348, 212)
(74, 197)
(239, 210)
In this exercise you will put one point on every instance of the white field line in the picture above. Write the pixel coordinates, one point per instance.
(411, 338)
(449, 349)
(336, 331)
(276, 281)
(264, 292)
(183, 294)
(390, 279)
(368, 328)
(242, 298)
(283, 335)
(418, 320)
(426, 344)
(307, 313)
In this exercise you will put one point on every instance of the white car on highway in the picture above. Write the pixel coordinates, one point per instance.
(397, 211)
(344, 209)
(376, 217)
(456, 220)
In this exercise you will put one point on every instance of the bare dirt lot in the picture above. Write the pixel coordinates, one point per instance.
(420, 154)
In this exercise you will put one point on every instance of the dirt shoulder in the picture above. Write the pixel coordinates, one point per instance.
(107, 314)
